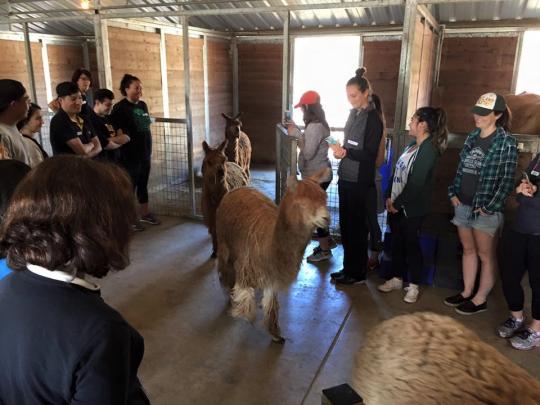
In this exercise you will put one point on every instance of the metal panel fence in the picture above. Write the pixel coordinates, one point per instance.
(286, 165)
(169, 184)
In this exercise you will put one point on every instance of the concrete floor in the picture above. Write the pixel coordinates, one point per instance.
(197, 353)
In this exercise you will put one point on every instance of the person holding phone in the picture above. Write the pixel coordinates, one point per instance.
(520, 253)
(362, 136)
(313, 157)
(484, 179)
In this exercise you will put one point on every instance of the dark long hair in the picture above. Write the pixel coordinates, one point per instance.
(314, 113)
(31, 110)
(505, 120)
(377, 103)
(81, 71)
(126, 82)
(62, 223)
(435, 118)
(359, 80)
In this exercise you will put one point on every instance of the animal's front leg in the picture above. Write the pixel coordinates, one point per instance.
(271, 314)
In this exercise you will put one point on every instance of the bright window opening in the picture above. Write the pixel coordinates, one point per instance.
(324, 64)
(529, 74)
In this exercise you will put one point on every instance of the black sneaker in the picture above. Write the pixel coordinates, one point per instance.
(469, 308)
(337, 274)
(348, 280)
(455, 300)
(137, 227)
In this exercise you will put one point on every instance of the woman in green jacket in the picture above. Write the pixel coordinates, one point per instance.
(409, 199)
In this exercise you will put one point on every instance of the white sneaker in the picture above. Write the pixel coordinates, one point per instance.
(412, 294)
(392, 284)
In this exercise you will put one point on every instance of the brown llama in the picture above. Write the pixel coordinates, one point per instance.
(424, 358)
(219, 177)
(239, 147)
(261, 246)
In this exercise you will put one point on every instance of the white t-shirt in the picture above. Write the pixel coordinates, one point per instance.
(12, 140)
(403, 167)
(34, 153)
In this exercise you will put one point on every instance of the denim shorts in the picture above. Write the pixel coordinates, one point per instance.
(489, 224)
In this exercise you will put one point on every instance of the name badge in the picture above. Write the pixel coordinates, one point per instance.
(535, 173)
(352, 142)
(79, 133)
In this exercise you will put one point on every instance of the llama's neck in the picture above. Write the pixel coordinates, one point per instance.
(289, 243)
(231, 149)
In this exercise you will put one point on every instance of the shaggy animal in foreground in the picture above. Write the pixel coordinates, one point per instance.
(261, 246)
(219, 177)
(424, 358)
(239, 146)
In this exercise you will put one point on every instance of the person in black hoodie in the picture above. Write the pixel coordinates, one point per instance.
(363, 132)
(131, 116)
(60, 343)
(520, 253)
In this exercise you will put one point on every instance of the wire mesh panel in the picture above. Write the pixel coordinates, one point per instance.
(169, 184)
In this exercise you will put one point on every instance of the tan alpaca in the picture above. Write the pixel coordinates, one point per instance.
(424, 358)
(239, 146)
(219, 177)
(260, 246)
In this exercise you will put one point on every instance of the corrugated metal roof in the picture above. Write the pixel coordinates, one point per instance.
(489, 10)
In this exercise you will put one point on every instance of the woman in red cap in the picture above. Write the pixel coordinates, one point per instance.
(314, 157)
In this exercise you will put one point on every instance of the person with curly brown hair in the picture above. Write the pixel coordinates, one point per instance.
(60, 342)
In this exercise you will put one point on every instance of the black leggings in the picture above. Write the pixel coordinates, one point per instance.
(139, 172)
(352, 222)
(520, 253)
(323, 232)
(406, 251)
(375, 234)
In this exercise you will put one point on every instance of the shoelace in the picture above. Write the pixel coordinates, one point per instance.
(511, 323)
(527, 333)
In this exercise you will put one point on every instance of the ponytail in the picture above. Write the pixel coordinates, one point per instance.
(505, 120)
(435, 118)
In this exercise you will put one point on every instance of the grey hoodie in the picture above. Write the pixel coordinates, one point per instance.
(313, 150)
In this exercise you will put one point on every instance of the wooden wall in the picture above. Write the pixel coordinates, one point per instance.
(175, 80)
(63, 60)
(381, 58)
(471, 67)
(219, 87)
(137, 53)
(260, 87)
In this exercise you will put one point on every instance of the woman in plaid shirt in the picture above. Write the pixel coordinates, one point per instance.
(484, 179)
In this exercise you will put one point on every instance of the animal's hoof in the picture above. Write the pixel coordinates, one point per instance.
(278, 339)
(213, 255)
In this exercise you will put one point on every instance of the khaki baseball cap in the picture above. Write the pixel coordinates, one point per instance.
(489, 102)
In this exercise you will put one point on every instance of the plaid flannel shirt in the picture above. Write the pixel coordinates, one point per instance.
(496, 179)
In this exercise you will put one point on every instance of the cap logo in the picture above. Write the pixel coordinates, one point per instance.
(487, 101)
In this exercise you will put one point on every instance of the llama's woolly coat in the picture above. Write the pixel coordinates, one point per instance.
(424, 358)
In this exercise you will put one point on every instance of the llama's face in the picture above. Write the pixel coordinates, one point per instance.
(232, 131)
(309, 206)
(213, 167)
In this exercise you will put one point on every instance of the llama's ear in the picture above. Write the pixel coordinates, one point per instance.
(320, 175)
(223, 145)
(226, 117)
(292, 182)
(205, 147)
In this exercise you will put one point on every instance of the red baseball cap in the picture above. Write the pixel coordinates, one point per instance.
(309, 97)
